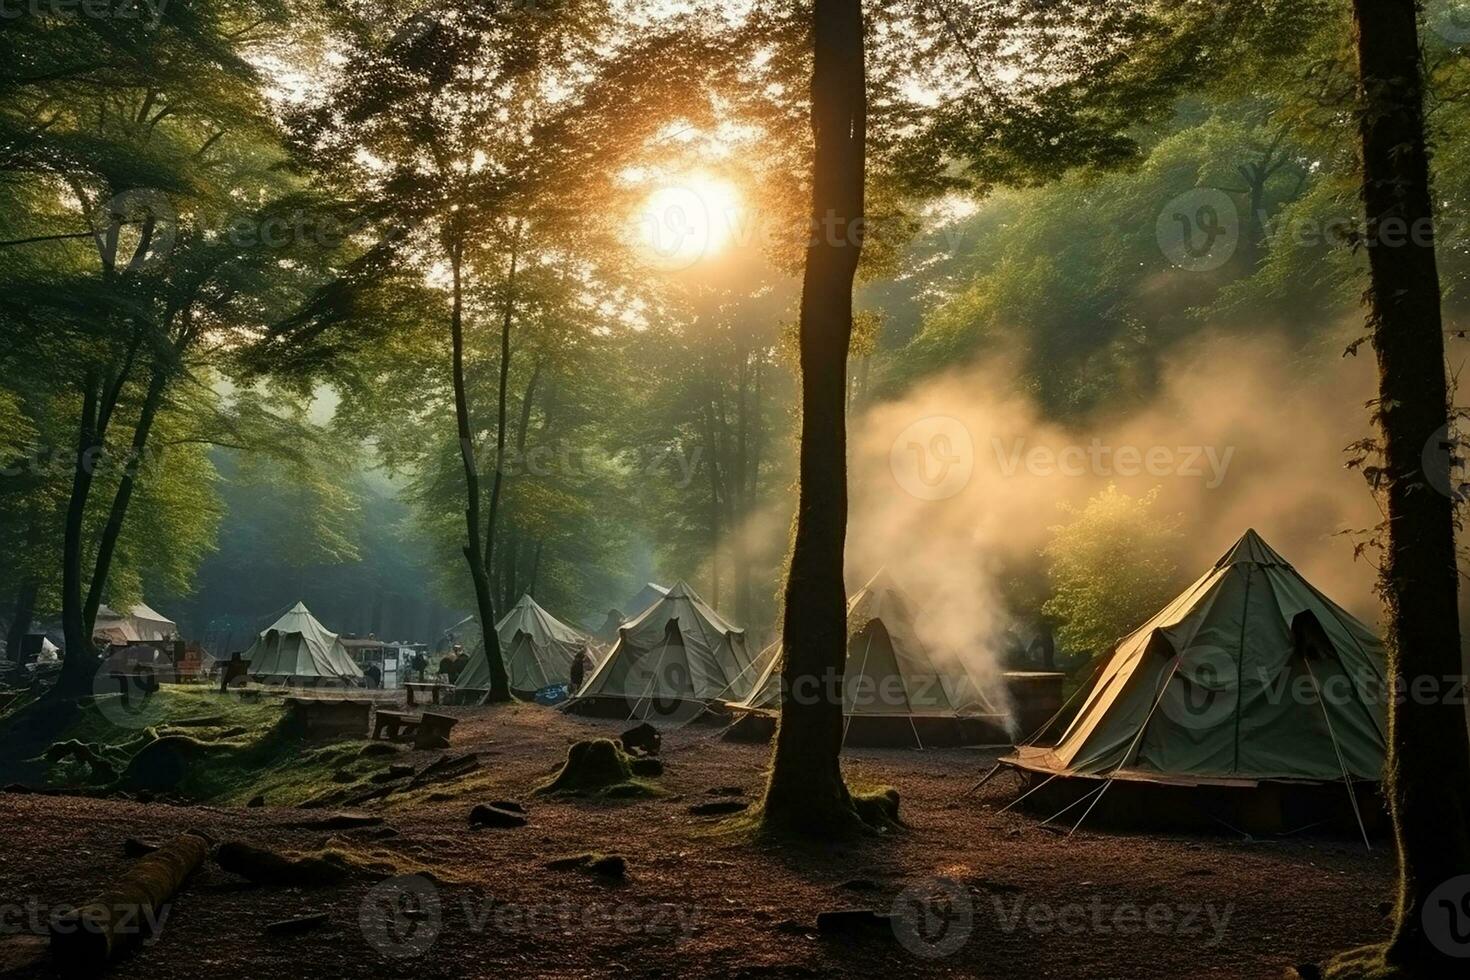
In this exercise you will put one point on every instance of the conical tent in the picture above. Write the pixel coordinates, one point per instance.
(890, 671)
(650, 593)
(677, 650)
(137, 624)
(296, 648)
(537, 648)
(1250, 674)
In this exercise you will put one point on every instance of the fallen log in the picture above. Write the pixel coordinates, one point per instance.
(265, 867)
(84, 938)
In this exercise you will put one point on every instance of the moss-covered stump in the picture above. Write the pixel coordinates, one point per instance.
(596, 766)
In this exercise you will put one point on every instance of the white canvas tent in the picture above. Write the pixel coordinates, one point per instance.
(297, 649)
(896, 688)
(678, 651)
(137, 624)
(537, 649)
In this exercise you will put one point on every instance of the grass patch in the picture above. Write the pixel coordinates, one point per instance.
(188, 742)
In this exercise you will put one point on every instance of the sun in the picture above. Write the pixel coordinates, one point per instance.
(687, 220)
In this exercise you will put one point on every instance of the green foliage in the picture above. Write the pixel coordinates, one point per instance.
(1111, 566)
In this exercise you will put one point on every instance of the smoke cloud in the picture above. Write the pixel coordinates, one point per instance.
(962, 478)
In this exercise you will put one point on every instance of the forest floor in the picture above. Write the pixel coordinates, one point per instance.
(1025, 900)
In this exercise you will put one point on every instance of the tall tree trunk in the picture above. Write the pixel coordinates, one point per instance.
(1428, 772)
(122, 497)
(21, 618)
(510, 575)
(739, 492)
(79, 660)
(535, 568)
(503, 394)
(484, 601)
(714, 467)
(806, 793)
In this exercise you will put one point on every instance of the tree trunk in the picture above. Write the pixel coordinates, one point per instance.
(117, 515)
(503, 395)
(1428, 772)
(78, 661)
(713, 467)
(484, 601)
(806, 793)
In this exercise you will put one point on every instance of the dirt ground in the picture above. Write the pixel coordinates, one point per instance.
(1023, 900)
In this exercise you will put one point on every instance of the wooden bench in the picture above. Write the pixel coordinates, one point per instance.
(428, 731)
(322, 717)
(419, 687)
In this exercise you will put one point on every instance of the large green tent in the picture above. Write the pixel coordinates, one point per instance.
(897, 688)
(537, 648)
(1250, 675)
(679, 651)
(296, 649)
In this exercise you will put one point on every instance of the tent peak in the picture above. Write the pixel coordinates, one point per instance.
(1251, 549)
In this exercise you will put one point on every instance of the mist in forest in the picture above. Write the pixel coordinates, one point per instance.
(958, 483)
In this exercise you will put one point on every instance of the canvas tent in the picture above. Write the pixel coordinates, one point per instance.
(536, 647)
(296, 649)
(1250, 675)
(897, 689)
(678, 653)
(650, 593)
(137, 624)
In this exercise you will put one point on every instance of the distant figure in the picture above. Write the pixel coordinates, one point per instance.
(374, 675)
(233, 668)
(1044, 649)
(453, 664)
(579, 672)
(420, 665)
